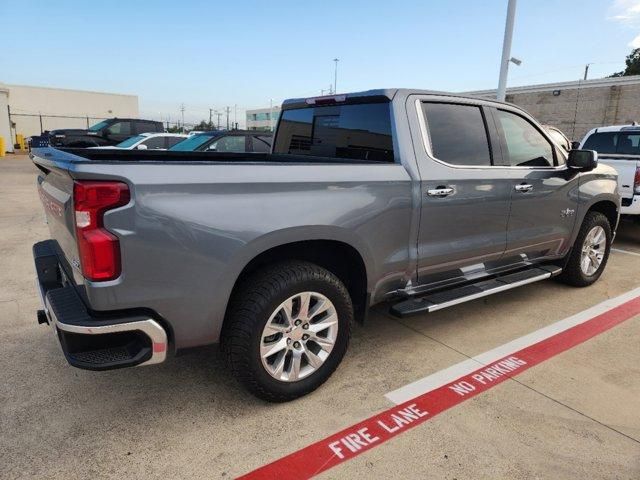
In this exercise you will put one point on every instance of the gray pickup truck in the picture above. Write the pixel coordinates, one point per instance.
(419, 199)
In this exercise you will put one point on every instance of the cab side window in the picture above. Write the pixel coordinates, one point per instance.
(155, 143)
(458, 134)
(231, 143)
(120, 128)
(524, 145)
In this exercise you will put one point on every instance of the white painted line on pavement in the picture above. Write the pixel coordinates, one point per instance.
(443, 377)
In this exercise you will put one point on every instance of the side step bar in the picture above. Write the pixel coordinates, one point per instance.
(447, 298)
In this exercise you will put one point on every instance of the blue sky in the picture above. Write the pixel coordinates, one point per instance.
(213, 54)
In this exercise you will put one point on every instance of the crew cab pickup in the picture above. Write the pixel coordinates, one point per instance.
(422, 200)
(108, 132)
(619, 147)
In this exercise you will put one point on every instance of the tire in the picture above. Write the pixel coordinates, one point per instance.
(574, 273)
(275, 295)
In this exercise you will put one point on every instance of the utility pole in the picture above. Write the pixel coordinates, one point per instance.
(506, 50)
(586, 70)
(210, 115)
(218, 115)
(335, 76)
(182, 108)
(235, 115)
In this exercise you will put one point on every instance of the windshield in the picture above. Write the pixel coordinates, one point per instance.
(99, 126)
(129, 142)
(192, 143)
(621, 143)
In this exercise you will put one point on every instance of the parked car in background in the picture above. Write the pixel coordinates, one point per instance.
(559, 137)
(238, 141)
(107, 132)
(148, 141)
(619, 147)
(427, 200)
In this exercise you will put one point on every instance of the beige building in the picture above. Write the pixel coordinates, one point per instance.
(263, 118)
(577, 107)
(32, 110)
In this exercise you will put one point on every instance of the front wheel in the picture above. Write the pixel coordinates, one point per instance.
(590, 251)
(287, 329)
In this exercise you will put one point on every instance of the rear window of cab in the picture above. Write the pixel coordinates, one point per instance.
(621, 143)
(351, 131)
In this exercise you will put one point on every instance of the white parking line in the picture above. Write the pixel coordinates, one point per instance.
(443, 377)
(625, 251)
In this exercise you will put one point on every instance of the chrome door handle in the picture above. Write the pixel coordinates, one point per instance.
(525, 187)
(439, 192)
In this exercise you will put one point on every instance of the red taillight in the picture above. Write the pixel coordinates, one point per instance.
(636, 181)
(99, 249)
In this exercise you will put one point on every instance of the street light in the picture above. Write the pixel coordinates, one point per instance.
(506, 50)
(335, 76)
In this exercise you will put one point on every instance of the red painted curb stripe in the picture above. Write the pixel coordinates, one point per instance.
(357, 439)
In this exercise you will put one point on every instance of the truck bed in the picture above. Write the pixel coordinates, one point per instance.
(162, 156)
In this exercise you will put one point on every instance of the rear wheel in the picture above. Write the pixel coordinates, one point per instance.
(590, 251)
(287, 329)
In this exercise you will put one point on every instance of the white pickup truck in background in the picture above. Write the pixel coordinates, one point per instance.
(619, 147)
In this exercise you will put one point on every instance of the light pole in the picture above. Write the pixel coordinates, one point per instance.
(335, 76)
(506, 50)
(271, 114)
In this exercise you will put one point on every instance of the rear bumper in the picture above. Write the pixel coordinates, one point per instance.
(631, 206)
(91, 340)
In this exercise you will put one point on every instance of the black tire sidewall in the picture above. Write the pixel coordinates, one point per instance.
(331, 288)
(593, 219)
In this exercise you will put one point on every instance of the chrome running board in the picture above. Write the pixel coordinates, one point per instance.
(447, 298)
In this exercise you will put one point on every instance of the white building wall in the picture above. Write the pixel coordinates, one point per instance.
(56, 103)
(262, 124)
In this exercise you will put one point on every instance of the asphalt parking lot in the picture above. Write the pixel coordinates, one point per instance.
(573, 416)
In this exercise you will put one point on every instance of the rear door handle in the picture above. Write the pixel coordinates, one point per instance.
(439, 192)
(523, 187)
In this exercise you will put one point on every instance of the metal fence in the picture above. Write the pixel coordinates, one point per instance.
(29, 124)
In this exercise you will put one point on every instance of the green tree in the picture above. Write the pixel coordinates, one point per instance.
(203, 125)
(633, 65)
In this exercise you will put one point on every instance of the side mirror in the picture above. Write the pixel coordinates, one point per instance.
(141, 147)
(575, 145)
(583, 160)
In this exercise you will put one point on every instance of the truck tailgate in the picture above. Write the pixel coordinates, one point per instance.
(55, 188)
(626, 167)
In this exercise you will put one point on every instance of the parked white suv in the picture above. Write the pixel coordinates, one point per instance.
(148, 141)
(619, 147)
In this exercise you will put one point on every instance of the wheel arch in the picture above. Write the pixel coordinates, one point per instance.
(339, 257)
(609, 209)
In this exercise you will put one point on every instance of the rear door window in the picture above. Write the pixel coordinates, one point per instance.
(352, 131)
(231, 143)
(458, 134)
(120, 128)
(147, 127)
(154, 143)
(171, 141)
(260, 145)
